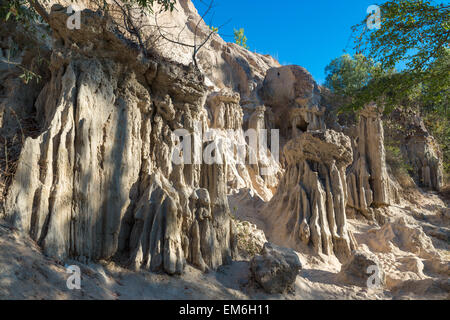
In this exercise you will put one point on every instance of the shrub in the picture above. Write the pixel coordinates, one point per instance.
(240, 38)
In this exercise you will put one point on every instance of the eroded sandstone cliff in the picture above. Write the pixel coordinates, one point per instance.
(96, 180)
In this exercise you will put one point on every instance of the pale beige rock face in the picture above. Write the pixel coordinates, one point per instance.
(226, 111)
(308, 210)
(248, 166)
(225, 65)
(295, 98)
(369, 185)
(424, 155)
(406, 254)
(98, 180)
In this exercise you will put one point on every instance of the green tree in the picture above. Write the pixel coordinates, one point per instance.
(240, 38)
(19, 10)
(357, 80)
(415, 33)
(347, 75)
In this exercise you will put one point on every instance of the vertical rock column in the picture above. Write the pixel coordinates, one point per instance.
(367, 179)
(98, 181)
(423, 153)
(226, 111)
(248, 166)
(308, 210)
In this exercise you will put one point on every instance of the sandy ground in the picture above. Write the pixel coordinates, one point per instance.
(25, 273)
(417, 266)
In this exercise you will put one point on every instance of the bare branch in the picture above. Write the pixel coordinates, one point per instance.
(40, 10)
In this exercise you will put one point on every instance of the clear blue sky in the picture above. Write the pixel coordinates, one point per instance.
(309, 33)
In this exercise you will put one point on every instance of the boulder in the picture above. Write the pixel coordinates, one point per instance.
(361, 269)
(276, 268)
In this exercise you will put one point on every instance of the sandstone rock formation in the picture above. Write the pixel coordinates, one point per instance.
(308, 209)
(408, 237)
(226, 111)
(95, 180)
(368, 182)
(20, 50)
(295, 98)
(406, 254)
(257, 119)
(360, 269)
(276, 268)
(225, 65)
(419, 149)
(423, 154)
(98, 180)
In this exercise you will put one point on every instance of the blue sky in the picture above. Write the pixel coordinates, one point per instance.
(304, 32)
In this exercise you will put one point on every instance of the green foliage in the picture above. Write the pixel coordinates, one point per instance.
(361, 81)
(14, 50)
(394, 157)
(213, 29)
(29, 75)
(347, 75)
(394, 133)
(19, 10)
(398, 165)
(356, 81)
(240, 38)
(168, 5)
(413, 32)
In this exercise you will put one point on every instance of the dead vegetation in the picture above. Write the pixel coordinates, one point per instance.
(10, 148)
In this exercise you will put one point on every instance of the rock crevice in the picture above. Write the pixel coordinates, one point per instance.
(98, 181)
(308, 209)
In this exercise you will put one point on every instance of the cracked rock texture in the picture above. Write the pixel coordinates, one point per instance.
(96, 182)
(276, 268)
(308, 209)
(295, 99)
(369, 185)
(87, 175)
(424, 155)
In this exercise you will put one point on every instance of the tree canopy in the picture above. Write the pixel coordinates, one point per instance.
(414, 34)
(347, 75)
(413, 37)
(412, 31)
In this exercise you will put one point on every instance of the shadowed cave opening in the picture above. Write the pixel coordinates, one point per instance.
(302, 125)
